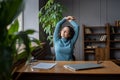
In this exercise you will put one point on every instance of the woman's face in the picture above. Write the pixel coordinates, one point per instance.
(65, 32)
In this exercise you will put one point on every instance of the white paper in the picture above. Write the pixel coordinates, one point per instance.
(44, 65)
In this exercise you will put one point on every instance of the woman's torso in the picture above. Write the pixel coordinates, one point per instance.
(63, 50)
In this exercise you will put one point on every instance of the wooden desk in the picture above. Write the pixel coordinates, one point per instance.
(110, 72)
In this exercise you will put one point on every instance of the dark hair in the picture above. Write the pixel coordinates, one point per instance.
(72, 32)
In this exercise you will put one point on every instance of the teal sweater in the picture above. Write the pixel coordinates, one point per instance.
(64, 48)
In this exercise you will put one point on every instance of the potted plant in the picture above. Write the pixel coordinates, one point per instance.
(49, 15)
(9, 37)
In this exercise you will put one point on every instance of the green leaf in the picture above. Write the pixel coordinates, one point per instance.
(23, 35)
(14, 27)
(13, 7)
(30, 31)
(38, 42)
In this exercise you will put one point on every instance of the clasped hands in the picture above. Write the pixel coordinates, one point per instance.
(70, 18)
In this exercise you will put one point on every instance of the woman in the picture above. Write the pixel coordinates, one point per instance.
(64, 39)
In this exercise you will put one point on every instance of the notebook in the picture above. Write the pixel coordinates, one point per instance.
(43, 65)
(83, 66)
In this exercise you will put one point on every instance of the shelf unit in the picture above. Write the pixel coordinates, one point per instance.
(114, 42)
(96, 42)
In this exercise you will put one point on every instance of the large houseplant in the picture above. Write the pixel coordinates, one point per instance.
(49, 15)
(9, 37)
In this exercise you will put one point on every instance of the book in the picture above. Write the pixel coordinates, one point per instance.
(83, 66)
(43, 65)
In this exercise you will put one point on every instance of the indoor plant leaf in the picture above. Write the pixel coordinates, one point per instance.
(49, 15)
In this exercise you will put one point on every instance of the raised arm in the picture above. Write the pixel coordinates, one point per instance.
(76, 29)
(57, 29)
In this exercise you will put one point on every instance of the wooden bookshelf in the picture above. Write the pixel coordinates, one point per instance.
(114, 42)
(96, 42)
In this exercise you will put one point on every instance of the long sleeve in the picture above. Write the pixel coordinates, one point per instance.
(76, 29)
(57, 29)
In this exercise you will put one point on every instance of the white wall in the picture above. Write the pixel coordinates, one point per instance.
(31, 20)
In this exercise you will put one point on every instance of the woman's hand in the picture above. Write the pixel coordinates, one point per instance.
(70, 18)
